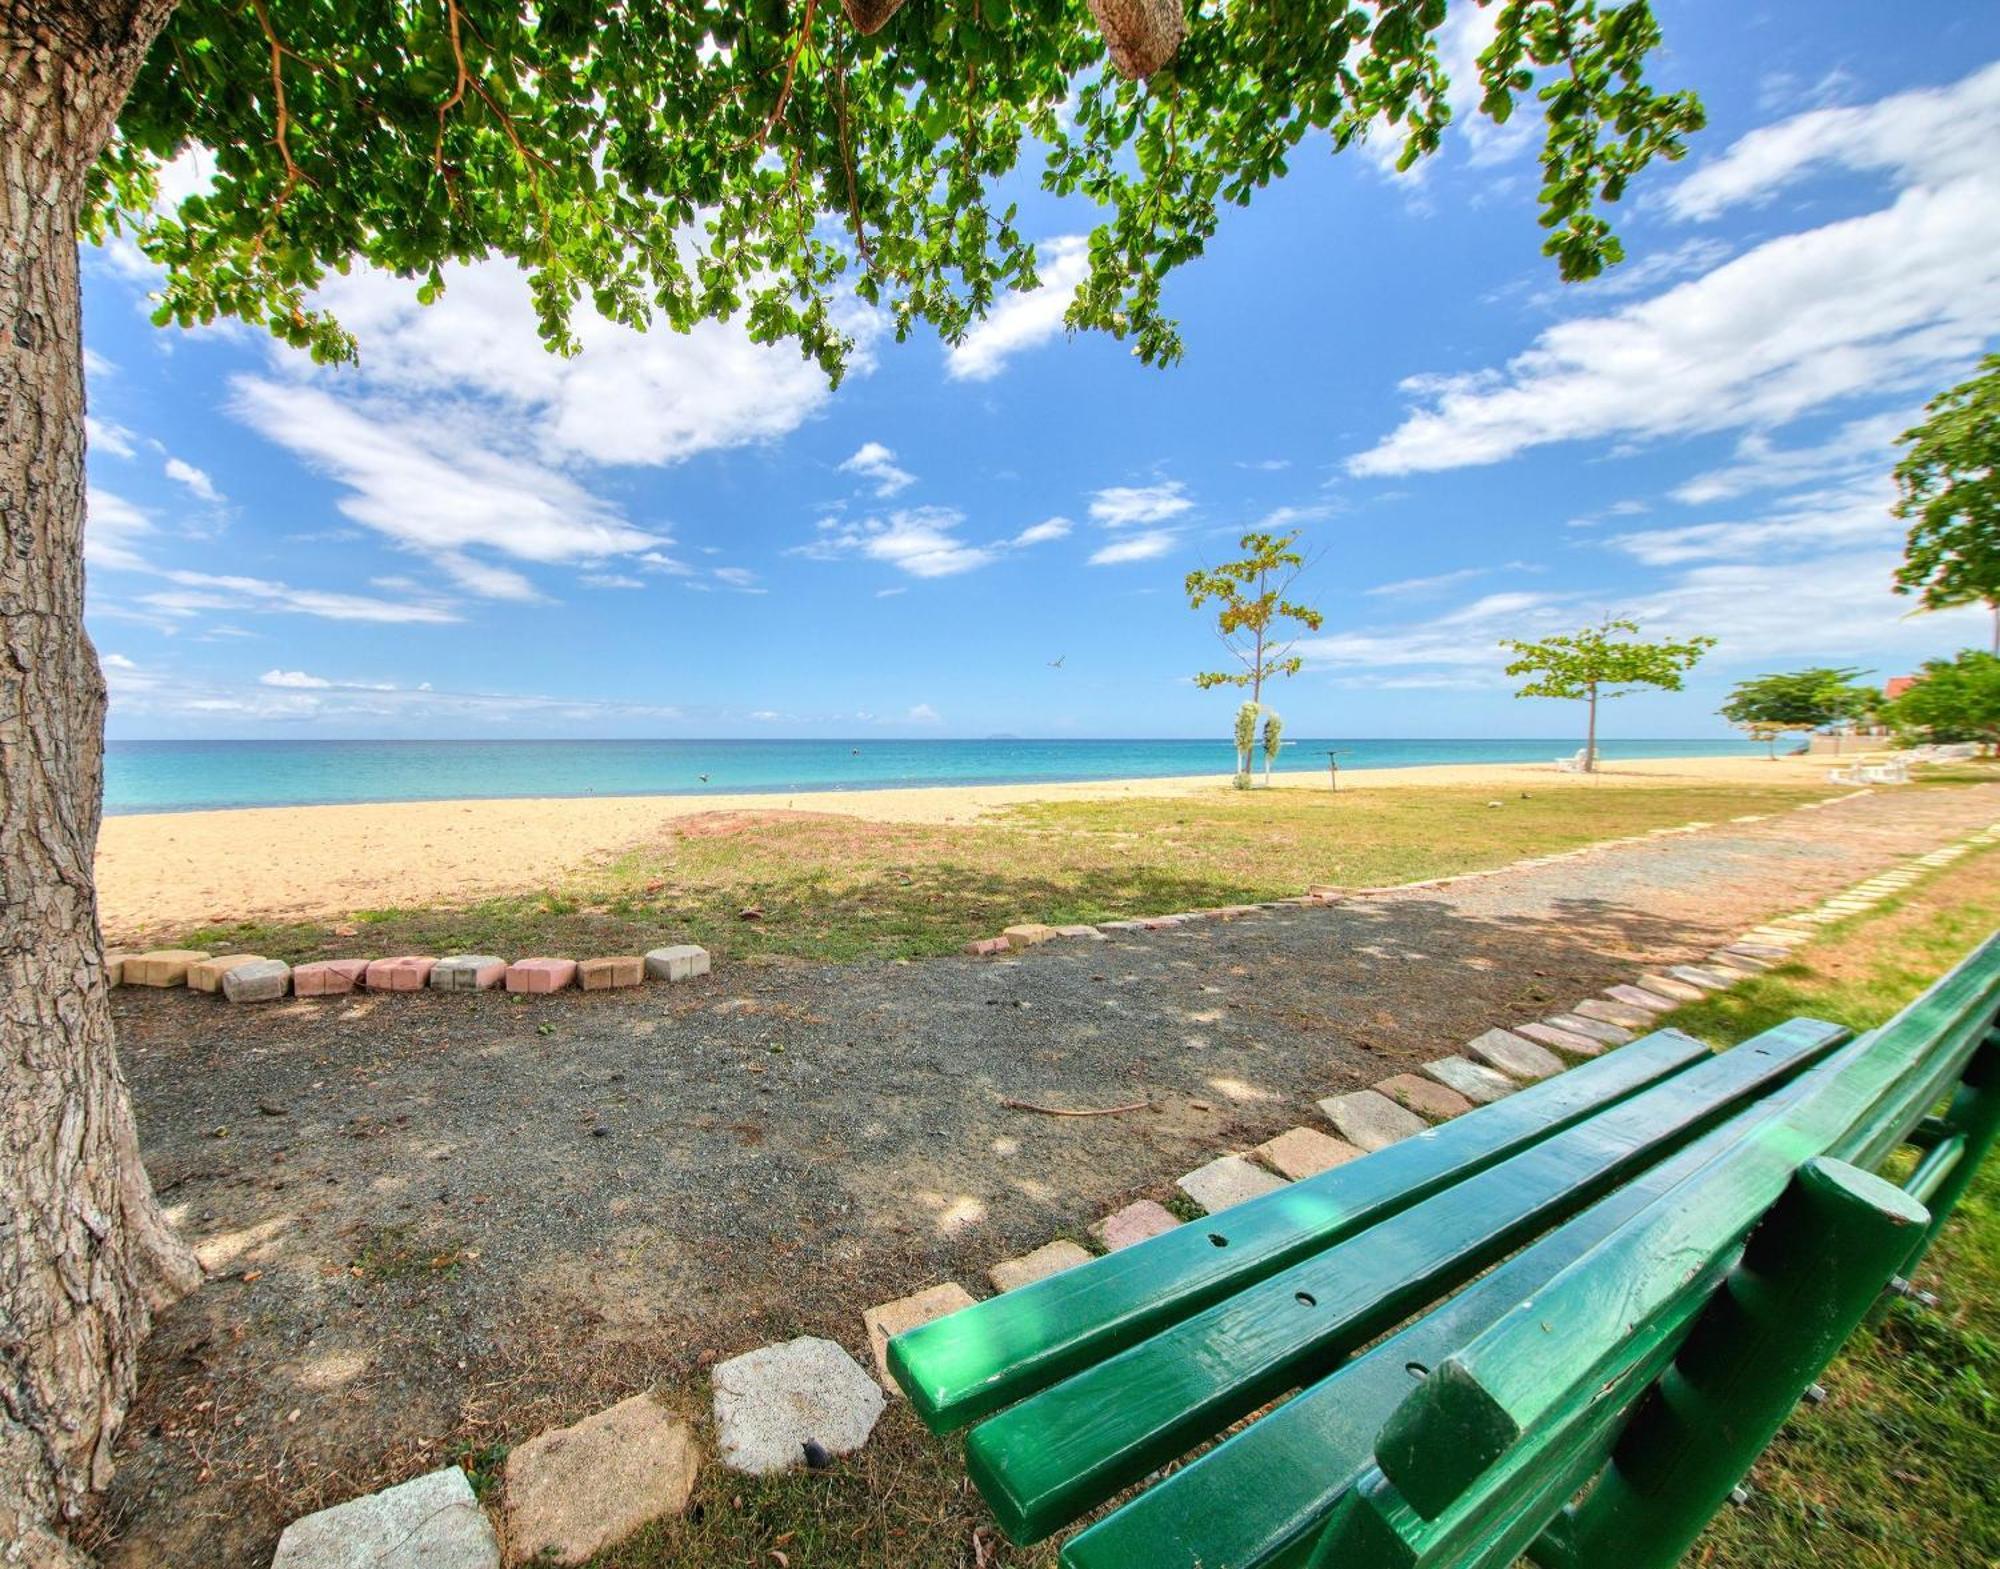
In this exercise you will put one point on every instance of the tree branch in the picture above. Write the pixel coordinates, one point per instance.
(293, 174)
(847, 156)
(791, 69)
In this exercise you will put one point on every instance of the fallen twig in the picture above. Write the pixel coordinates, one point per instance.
(1060, 1111)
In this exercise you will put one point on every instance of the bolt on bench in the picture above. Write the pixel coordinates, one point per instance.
(1601, 1295)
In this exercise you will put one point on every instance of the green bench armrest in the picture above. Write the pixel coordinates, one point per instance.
(1661, 1429)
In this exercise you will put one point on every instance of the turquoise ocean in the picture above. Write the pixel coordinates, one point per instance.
(189, 776)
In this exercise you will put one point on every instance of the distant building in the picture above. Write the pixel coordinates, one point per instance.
(1896, 686)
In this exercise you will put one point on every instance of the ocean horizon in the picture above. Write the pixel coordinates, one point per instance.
(192, 776)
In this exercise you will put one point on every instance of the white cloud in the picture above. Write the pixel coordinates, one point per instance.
(1020, 322)
(487, 580)
(196, 480)
(1118, 506)
(294, 697)
(921, 541)
(660, 561)
(1043, 532)
(610, 580)
(461, 438)
(1458, 643)
(740, 578)
(1891, 300)
(1835, 608)
(1414, 587)
(117, 662)
(112, 528)
(1862, 445)
(1930, 136)
(437, 486)
(1812, 524)
(1466, 33)
(1144, 546)
(1649, 271)
(876, 463)
(629, 397)
(109, 436)
(1287, 517)
(203, 591)
(924, 714)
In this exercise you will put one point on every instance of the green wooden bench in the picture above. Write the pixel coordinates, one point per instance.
(1562, 1325)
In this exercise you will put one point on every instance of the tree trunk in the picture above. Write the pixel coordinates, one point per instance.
(86, 1257)
(1590, 739)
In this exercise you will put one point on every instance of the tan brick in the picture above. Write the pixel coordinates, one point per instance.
(1426, 1097)
(205, 975)
(162, 967)
(892, 1318)
(1299, 1153)
(1051, 1258)
(603, 975)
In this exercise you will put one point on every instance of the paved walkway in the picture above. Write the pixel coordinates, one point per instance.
(445, 1218)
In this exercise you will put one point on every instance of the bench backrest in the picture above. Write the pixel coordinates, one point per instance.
(1650, 1200)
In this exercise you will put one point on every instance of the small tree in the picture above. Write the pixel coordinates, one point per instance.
(1768, 706)
(1251, 593)
(1949, 487)
(1246, 742)
(1953, 700)
(1274, 731)
(1599, 663)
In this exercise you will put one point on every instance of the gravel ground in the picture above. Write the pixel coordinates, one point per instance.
(440, 1222)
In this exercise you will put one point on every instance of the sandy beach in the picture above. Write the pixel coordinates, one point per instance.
(188, 868)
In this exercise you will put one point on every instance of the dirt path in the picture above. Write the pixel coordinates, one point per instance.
(438, 1222)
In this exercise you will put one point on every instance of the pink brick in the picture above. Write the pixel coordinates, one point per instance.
(328, 977)
(540, 975)
(983, 947)
(409, 972)
(1134, 1223)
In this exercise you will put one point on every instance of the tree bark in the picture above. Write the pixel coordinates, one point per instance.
(1590, 740)
(86, 1256)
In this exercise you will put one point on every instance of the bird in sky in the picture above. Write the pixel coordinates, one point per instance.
(1057, 662)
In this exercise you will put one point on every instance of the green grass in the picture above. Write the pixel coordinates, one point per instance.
(836, 888)
(1900, 1468)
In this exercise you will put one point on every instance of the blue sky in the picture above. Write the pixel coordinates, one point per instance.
(690, 536)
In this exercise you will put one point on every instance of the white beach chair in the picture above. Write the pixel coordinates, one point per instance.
(1575, 763)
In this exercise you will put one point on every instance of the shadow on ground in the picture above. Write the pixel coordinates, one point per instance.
(438, 1223)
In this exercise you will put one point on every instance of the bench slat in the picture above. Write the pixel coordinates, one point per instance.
(1062, 1452)
(961, 1368)
(1258, 1499)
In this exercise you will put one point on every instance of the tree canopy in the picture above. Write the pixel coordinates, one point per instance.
(696, 160)
(1606, 660)
(1948, 486)
(1251, 593)
(1953, 700)
(1798, 700)
(1603, 661)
